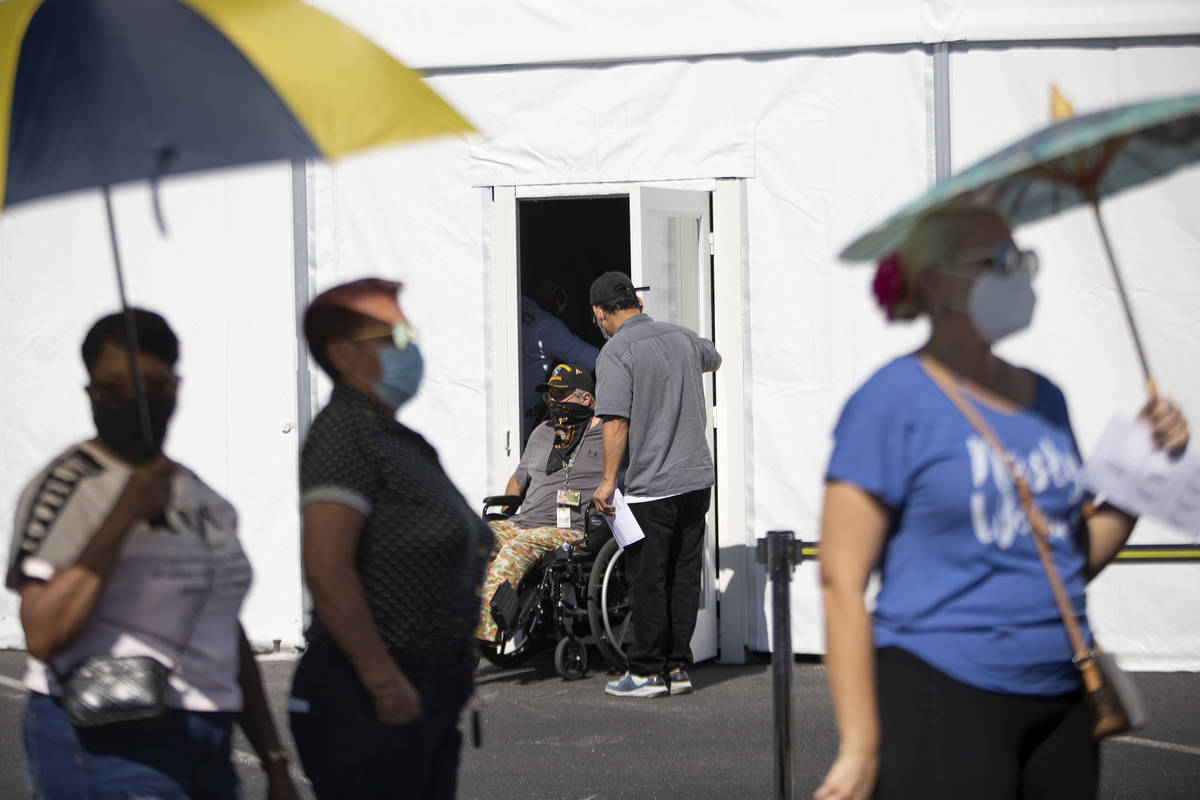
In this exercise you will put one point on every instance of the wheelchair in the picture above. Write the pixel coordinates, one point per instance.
(575, 595)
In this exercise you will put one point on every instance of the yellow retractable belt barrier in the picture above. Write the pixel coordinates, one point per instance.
(1136, 553)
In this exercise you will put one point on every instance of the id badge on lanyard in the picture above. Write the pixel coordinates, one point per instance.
(567, 499)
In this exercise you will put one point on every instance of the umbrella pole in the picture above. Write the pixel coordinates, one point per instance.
(1094, 202)
(131, 339)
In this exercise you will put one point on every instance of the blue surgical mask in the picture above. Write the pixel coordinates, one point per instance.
(402, 371)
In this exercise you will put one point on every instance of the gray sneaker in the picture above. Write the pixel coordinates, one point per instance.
(630, 685)
(678, 681)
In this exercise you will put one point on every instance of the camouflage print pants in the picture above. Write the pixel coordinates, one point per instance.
(516, 550)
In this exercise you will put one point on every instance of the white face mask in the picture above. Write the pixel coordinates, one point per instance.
(1001, 303)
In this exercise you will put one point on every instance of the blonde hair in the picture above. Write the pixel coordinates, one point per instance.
(938, 239)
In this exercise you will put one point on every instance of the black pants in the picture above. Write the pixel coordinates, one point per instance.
(664, 575)
(945, 739)
(349, 755)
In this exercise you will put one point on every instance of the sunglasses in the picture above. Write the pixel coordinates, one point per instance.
(1008, 258)
(402, 334)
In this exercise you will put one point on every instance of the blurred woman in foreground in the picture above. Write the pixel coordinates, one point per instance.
(961, 684)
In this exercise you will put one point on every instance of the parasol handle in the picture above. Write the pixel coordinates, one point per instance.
(1094, 202)
(131, 339)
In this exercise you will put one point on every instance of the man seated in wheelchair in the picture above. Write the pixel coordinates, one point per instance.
(558, 473)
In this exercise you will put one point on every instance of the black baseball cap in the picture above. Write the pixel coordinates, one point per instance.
(568, 376)
(612, 286)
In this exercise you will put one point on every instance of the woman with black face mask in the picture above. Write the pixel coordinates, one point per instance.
(131, 577)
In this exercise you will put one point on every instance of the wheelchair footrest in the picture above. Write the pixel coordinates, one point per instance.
(506, 608)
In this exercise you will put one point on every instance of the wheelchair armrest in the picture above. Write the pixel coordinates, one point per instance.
(507, 503)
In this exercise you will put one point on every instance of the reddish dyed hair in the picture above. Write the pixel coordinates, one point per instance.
(338, 312)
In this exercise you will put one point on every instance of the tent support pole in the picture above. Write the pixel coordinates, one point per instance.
(302, 290)
(941, 111)
(302, 258)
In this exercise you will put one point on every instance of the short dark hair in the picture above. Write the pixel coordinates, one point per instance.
(154, 337)
(338, 312)
(617, 305)
(324, 324)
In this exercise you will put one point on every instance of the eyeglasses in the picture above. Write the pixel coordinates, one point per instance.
(1008, 258)
(402, 335)
(111, 393)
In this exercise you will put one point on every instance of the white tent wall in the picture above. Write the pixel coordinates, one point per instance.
(223, 279)
(844, 140)
(410, 214)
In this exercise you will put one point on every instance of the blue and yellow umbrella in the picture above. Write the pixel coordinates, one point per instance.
(99, 92)
(95, 93)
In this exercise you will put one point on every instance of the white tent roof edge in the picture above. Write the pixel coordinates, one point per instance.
(449, 37)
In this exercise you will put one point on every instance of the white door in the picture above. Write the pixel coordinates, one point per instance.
(669, 252)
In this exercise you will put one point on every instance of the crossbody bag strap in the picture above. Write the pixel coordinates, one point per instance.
(1037, 521)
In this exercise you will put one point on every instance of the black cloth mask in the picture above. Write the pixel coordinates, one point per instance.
(570, 422)
(120, 427)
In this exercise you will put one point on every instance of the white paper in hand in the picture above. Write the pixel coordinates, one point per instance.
(624, 525)
(1128, 471)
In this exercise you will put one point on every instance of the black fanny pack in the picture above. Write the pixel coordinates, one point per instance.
(103, 689)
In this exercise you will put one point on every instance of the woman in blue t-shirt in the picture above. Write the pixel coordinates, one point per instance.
(961, 682)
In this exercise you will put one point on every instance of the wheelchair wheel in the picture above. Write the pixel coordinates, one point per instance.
(608, 605)
(570, 658)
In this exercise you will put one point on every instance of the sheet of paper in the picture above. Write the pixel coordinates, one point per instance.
(1126, 469)
(624, 525)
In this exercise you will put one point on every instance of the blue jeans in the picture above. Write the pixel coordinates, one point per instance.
(179, 755)
(349, 755)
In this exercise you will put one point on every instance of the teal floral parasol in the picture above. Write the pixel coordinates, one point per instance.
(1077, 160)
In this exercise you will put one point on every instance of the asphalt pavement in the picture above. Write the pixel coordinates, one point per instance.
(547, 738)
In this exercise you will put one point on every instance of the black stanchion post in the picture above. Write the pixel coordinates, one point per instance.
(779, 552)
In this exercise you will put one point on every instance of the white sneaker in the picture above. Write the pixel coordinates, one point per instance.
(630, 685)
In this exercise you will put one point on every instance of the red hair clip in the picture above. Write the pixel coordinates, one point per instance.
(889, 283)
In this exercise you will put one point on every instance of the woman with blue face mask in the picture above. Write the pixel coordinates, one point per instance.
(960, 683)
(393, 556)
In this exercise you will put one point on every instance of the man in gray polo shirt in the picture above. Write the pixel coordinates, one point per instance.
(650, 394)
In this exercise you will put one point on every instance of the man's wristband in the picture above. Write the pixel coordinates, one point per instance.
(276, 755)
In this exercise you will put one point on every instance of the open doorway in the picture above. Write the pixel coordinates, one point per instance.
(689, 244)
(563, 245)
